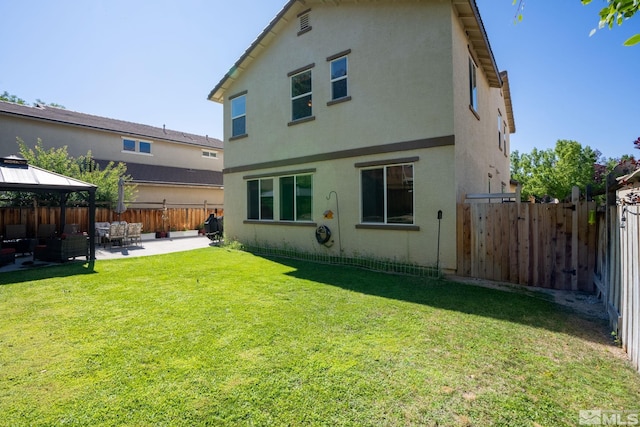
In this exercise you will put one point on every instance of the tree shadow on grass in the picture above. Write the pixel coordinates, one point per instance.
(525, 308)
(41, 271)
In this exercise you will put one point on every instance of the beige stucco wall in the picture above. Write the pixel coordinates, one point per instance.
(477, 151)
(431, 173)
(403, 88)
(151, 196)
(400, 93)
(103, 145)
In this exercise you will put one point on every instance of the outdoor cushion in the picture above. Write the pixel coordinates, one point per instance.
(7, 255)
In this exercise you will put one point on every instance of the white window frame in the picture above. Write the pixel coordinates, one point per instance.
(136, 146)
(295, 197)
(260, 199)
(209, 154)
(345, 77)
(244, 114)
(303, 95)
(385, 220)
(145, 142)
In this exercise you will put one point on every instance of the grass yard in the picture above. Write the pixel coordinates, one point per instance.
(224, 338)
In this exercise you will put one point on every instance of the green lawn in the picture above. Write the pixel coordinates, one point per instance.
(220, 337)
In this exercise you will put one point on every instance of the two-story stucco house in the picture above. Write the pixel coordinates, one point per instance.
(181, 168)
(371, 118)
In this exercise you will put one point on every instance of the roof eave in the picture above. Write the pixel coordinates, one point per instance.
(506, 93)
(217, 93)
(469, 15)
(467, 11)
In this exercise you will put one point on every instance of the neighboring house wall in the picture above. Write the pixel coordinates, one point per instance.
(406, 105)
(190, 152)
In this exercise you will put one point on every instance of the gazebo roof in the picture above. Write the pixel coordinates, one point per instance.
(17, 175)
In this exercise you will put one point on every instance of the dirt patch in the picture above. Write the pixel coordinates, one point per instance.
(586, 304)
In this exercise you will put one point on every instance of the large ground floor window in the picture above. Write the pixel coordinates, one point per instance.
(387, 194)
(294, 198)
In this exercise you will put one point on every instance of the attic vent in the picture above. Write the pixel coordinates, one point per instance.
(305, 24)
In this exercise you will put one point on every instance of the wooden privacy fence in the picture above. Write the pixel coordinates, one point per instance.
(545, 245)
(629, 333)
(618, 275)
(152, 219)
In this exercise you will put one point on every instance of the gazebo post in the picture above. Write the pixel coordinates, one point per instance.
(92, 224)
(63, 211)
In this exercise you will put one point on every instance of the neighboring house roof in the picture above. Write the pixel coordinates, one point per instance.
(73, 118)
(467, 12)
(169, 175)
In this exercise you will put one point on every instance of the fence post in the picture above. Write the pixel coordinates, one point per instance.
(575, 198)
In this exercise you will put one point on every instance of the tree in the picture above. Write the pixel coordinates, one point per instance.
(615, 12)
(6, 96)
(554, 172)
(83, 168)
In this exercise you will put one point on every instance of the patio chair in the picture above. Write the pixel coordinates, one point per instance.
(71, 229)
(45, 231)
(134, 232)
(117, 233)
(16, 238)
(15, 231)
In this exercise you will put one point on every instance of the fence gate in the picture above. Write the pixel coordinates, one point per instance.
(545, 245)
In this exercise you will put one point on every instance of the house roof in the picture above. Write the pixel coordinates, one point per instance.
(16, 174)
(169, 175)
(506, 93)
(467, 11)
(73, 118)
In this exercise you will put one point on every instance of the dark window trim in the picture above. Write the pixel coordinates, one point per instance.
(388, 227)
(276, 222)
(387, 162)
(244, 135)
(301, 70)
(237, 95)
(475, 113)
(303, 120)
(306, 30)
(279, 174)
(338, 55)
(304, 12)
(339, 101)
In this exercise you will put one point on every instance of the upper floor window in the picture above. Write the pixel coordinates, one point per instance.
(504, 139)
(210, 154)
(144, 147)
(473, 85)
(301, 100)
(239, 116)
(339, 78)
(128, 145)
(136, 146)
(500, 128)
(387, 194)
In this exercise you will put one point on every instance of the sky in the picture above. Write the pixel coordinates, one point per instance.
(155, 62)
